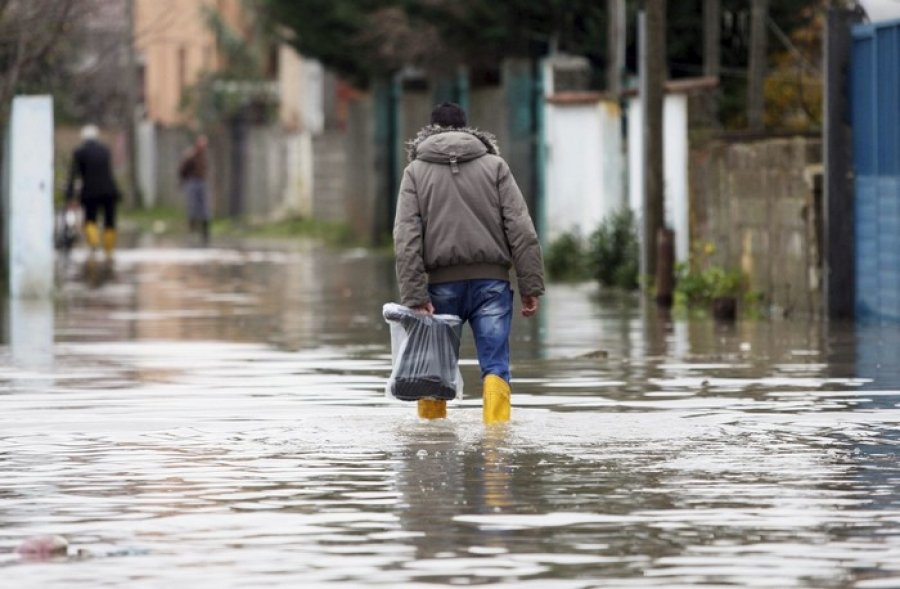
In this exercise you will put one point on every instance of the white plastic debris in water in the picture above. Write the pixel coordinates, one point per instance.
(746, 347)
(43, 547)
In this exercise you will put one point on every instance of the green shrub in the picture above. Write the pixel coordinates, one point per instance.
(567, 258)
(610, 255)
(699, 281)
(615, 252)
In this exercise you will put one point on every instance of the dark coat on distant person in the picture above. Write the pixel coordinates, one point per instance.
(92, 163)
(193, 165)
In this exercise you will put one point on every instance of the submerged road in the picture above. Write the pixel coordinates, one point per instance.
(216, 418)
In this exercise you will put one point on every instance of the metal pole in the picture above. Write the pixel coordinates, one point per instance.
(758, 64)
(540, 154)
(838, 241)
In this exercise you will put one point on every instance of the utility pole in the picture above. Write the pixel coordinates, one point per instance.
(653, 73)
(759, 15)
(712, 37)
(839, 249)
(131, 100)
(615, 46)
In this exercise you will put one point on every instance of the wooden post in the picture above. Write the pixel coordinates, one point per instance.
(653, 65)
(615, 45)
(712, 37)
(756, 76)
(665, 268)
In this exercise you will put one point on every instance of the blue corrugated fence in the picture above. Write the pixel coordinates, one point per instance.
(875, 98)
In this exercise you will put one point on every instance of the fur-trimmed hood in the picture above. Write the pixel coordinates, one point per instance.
(448, 145)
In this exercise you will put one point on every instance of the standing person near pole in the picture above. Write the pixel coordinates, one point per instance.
(461, 225)
(192, 173)
(92, 164)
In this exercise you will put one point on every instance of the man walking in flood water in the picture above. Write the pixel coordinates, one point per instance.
(92, 165)
(461, 225)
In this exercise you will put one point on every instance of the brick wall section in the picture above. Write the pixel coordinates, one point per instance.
(756, 201)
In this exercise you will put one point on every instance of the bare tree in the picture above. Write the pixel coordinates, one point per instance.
(29, 32)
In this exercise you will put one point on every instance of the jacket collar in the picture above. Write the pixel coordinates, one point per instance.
(487, 139)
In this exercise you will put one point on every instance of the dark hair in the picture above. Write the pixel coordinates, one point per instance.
(448, 114)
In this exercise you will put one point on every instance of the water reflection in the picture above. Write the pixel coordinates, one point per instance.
(97, 271)
(217, 419)
(30, 335)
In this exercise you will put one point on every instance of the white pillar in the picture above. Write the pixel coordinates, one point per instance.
(28, 198)
(675, 143)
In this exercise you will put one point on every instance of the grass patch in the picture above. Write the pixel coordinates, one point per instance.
(159, 220)
(337, 234)
(172, 221)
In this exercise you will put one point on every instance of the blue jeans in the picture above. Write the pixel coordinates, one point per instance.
(487, 306)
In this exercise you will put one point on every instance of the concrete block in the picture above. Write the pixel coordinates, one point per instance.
(31, 324)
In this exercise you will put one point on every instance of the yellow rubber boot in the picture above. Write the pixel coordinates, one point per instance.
(432, 409)
(92, 235)
(496, 399)
(109, 240)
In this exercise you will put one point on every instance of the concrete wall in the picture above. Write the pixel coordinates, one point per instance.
(364, 173)
(165, 148)
(486, 107)
(675, 140)
(274, 170)
(300, 92)
(415, 113)
(756, 202)
(584, 166)
(329, 201)
(518, 130)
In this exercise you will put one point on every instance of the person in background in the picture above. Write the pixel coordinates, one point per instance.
(92, 165)
(192, 173)
(461, 225)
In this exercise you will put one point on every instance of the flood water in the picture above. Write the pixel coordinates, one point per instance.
(216, 418)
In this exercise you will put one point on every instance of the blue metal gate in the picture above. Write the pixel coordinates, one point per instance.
(875, 99)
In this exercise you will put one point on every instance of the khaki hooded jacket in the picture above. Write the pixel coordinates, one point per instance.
(461, 216)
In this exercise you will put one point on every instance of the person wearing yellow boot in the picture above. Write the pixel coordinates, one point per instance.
(461, 226)
(92, 168)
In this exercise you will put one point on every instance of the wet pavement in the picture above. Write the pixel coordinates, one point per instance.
(216, 418)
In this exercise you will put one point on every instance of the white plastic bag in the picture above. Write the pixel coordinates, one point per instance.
(425, 355)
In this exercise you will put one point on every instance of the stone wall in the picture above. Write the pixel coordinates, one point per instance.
(758, 203)
(256, 172)
(329, 177)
